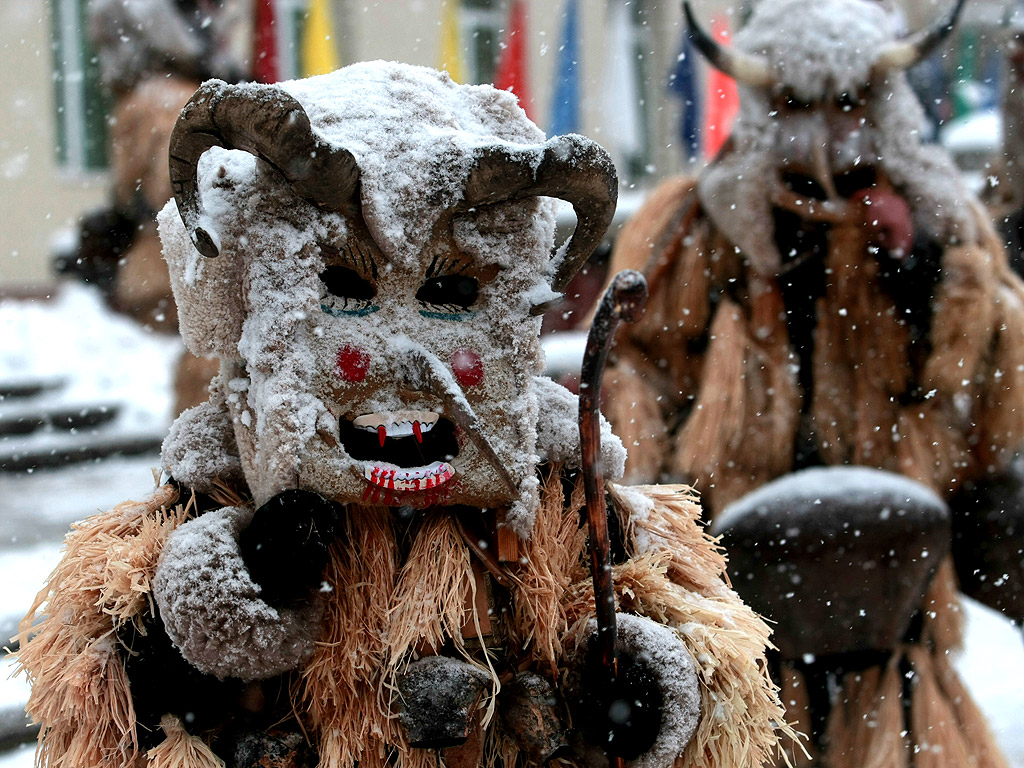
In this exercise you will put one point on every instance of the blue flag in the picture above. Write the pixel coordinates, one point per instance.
(683, 82)
(565, 106)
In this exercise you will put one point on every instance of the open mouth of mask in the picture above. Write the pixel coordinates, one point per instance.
(402, 450)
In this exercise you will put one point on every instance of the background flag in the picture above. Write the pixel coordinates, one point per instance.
(511, 74)
(723, 100)
(565, 106)
(319, 51)
(450, 58)
(265, 64)
(682, 81)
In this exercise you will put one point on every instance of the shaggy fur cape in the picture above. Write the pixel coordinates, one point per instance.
(380, 608)
(705, 388)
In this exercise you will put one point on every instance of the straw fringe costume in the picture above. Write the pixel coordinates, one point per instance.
(943, 410)
(827, 295)
(379, 610)
(721, 389)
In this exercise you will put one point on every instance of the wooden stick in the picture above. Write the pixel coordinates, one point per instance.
(624, 300)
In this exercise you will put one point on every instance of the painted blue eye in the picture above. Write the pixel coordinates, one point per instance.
(346, 292)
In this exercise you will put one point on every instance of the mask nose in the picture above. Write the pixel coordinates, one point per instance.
(420, 370)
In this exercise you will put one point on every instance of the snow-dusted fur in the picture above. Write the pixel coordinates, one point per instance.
(666, 656)
(200, 449)
(212, 609)
(678, 615)
(818, 51)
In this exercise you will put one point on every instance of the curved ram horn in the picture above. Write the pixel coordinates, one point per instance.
(572, 168)
(908, 50)
(264, 121)
(742, 67)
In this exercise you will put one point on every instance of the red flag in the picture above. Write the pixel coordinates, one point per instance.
(722, 100)
(511, 74)
(265, 67)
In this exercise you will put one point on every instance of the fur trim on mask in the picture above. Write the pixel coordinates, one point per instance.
(199, 450)
(558, 434)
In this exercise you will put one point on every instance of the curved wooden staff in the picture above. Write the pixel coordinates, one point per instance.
(624, 300)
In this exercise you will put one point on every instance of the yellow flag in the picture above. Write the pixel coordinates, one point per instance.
(451, 52)
(319, 53)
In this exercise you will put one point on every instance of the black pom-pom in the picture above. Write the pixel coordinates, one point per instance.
(624, 719)
(163, 682)
(285, 545)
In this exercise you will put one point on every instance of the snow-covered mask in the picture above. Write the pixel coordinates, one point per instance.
(375, 264)
(825, 110)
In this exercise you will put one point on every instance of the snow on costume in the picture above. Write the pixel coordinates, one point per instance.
(371, 551)
(826, 294)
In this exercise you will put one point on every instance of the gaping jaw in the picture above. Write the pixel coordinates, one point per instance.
(830, 159)
(404, 451)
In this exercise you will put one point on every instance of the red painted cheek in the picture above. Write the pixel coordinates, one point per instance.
(353, 363)
(467, 367)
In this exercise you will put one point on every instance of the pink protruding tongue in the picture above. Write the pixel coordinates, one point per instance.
(887, 218)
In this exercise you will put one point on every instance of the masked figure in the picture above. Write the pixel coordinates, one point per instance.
(152, 55)
(827, 294)
(370, 550)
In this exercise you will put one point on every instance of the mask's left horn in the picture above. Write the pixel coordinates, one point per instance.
(267, 122)
(571, 168)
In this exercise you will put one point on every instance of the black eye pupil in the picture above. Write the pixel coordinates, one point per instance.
(454, 290)
(347, 283)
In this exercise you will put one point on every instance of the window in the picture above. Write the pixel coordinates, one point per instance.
(482, 24)
(81, 105)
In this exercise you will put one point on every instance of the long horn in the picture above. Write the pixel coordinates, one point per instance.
(268, 123)
(742, 67)
(909, 50)
(572, 168)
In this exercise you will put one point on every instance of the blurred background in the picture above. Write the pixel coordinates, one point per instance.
(88, 364)
(615, 70)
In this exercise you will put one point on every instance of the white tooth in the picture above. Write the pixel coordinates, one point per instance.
(402, 429)
(412, 479)
(397, 423)
(368, 421)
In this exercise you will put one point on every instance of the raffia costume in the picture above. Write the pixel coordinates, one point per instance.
(793, 325)
(383, 562)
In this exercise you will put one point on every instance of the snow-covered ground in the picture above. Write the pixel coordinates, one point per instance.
(109, 358)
